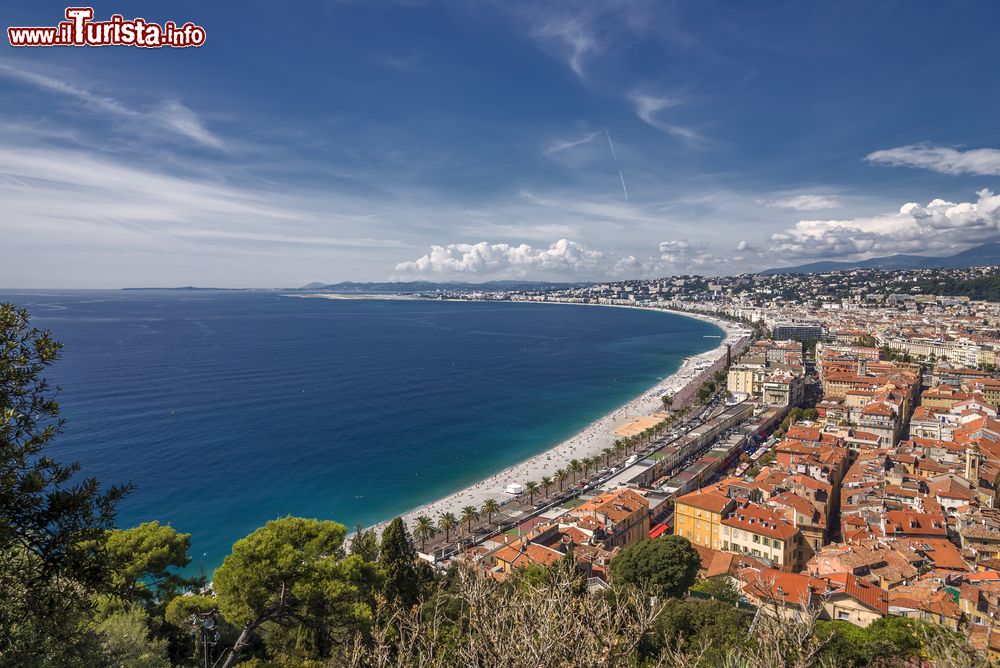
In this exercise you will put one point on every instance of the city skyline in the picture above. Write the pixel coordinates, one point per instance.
(451, 141)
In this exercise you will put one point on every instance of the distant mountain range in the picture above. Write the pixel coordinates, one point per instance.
(422, 287)
(977, 256)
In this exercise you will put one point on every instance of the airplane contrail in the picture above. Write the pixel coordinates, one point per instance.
(614, 157)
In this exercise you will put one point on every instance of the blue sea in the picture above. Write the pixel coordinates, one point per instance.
(230, 408)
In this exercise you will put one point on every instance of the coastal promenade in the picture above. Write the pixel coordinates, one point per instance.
(682, 386)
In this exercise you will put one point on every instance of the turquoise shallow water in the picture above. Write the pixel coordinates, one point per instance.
(231, 408)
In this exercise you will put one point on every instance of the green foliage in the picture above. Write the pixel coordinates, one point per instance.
(293, 573)
(883, 642)
(793, 416)
(364, 544)
(714, 627)
(719, 587)
(668, 563)
(127, 642)
(52, 524)
(986, 288)
(140, 559)
(398, 563)
(180, 609)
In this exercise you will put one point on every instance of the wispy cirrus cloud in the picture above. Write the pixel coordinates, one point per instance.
(170, 115)
(648, 107)
(802, 202)
(943, 159)
(560, 145)
(572, 37)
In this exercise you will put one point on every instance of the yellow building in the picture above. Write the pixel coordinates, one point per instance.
(698, 517)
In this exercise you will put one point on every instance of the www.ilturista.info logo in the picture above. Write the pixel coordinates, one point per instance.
(79, 29)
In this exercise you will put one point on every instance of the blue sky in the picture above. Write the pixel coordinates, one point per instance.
(473, 141)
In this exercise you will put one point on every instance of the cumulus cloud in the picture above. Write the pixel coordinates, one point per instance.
(939, 225)
(943, 159)
(802, 202)
(683, 254)
(486, 259)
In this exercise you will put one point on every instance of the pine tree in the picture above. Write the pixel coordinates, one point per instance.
(398, 561)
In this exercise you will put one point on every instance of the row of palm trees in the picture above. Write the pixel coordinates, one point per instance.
(425, 528)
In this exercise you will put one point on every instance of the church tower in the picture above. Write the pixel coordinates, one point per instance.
(972, 457)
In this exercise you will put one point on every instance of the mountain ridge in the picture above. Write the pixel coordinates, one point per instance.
(978, 256)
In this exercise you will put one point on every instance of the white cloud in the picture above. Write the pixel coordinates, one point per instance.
(802, 202)
(648, 108)
(979, 161)
(937, 226)
(572, 37)
(171, 115)
(563, 257)
(684, 254)
(560, 145)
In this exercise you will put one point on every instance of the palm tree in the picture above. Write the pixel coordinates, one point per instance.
(668, 401)
(469, 513)
(561, 476)
(587, 463)
(546, 483)
(447, 523)
(531, 487)
(424, 530)
(607, 456)
(575, 467)
(490, 506)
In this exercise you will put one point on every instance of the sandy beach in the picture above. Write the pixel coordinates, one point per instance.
(589, 442)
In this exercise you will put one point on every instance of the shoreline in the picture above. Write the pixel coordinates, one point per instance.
(591, 440)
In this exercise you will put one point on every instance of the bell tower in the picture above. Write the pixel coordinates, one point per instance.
(972, 457)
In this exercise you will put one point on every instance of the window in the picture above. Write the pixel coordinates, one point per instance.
(756, 538)
(843, 614)
(765, 541)
(725, 545)
(776, 543)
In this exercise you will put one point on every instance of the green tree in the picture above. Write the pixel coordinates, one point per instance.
(364, 543)
(575, 467)
(561, 477)
(424, 530)
(712, 627)
(141, 558)
(127, 641)
(398, 561)
(490, 508)
(607, 452)
(292, 572)
(531, 487)
(667, 563)
(469, 515)
(546, 484)
(720, 587)
(52, 524)
(446, 523)
(667, 400)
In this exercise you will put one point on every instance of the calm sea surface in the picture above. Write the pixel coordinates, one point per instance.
(228, 409)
